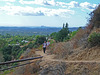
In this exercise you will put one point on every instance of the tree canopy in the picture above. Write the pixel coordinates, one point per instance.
(62, 34)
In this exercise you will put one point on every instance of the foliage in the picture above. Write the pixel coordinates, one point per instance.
(62, 34)
(53, 35)
(1, 57)
(24, 48)
(7, 72)
(7, 57)
(40, 40)
(12, 52)
(51, 41)
(30, 45)
(7, 51)
(2, 43)
(73, 34)
(15, 50)
(19, 54)
(37, 42)
(94, 39)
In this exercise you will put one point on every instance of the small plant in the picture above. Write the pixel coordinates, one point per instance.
(35, 46)
(30, 45)
(72, 34)
(94, 39)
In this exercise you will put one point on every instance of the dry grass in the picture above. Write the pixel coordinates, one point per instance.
(86, 54)
(77, 48)
(80, 38)
(62, 49)
(83, 69)
(30, 69)
(97, 30)
(28, 53)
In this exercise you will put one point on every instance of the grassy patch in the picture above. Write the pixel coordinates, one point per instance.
(7, 72)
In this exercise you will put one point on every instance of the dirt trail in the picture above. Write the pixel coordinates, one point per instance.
(48, 57)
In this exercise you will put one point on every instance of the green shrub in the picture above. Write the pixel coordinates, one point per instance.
(62, 35)
(73, 34)
(19, 54)
(94, 39)
(24, 48)
(40, 40)
(35, 46)
(30, 45)
(7, 57)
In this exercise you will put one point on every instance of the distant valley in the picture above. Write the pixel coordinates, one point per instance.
(31, 30)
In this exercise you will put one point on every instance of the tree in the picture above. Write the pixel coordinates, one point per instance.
(7, 53)
(63, 25)
(53, 35)
(2, 43)
(30, 45)
(62, 34)
(8, 35)
(66, 25)
(15, 49)
(40, 40)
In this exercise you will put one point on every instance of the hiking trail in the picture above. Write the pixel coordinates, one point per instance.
(48, 57)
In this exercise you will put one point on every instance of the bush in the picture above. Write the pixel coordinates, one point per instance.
(19, 54)
(35, 46)
(7, 57)
(94, 39)
(24, 48)
(12, 52)
(30, 45)
(40, 40)
(73, 34)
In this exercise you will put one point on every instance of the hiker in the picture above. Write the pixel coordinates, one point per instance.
(48, 43)
(44, 46)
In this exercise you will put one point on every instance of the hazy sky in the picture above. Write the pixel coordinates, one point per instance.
(45, 12)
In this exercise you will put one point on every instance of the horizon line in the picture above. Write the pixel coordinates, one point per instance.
(41, 26)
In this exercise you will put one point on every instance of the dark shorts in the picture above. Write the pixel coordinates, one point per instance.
(44, 49)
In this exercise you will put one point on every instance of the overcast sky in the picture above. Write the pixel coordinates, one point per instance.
(51, 13)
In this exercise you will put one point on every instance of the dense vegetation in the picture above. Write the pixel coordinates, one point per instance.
(62, 34)
(94, 39)
(13, 46)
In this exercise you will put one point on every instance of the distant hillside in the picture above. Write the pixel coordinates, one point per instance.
(31, 30)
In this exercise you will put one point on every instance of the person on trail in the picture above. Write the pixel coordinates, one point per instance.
(48, 47)
(44, 46)
(48, 43)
